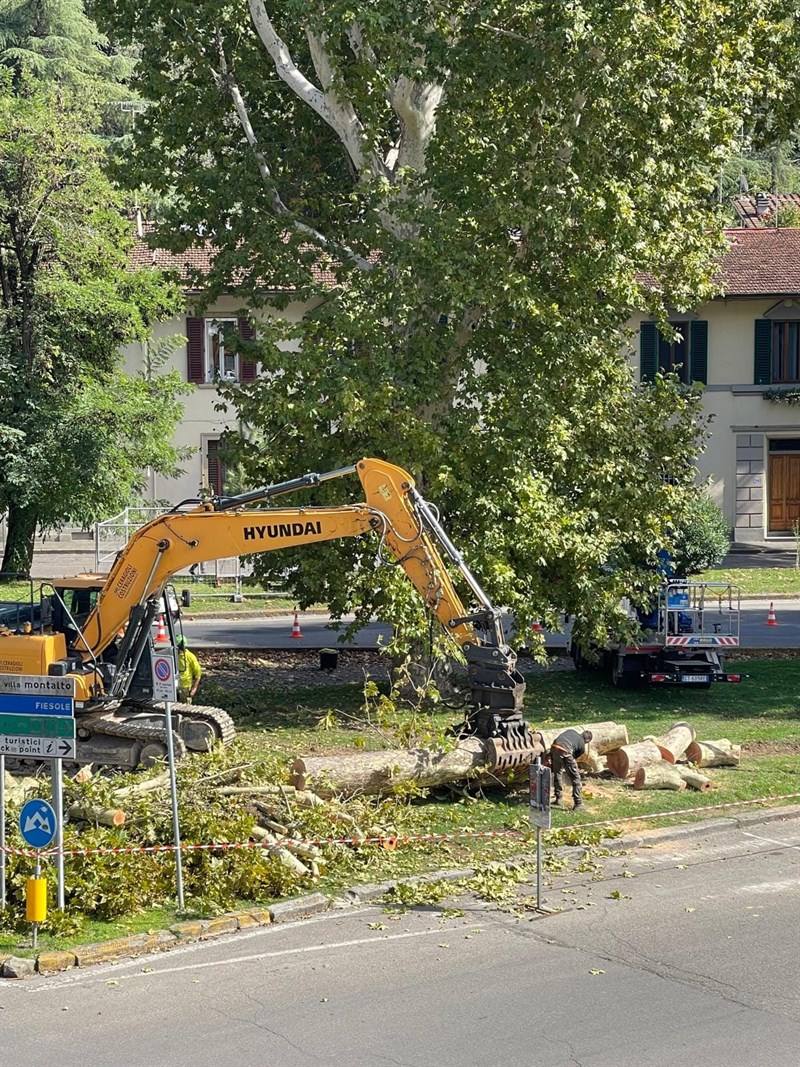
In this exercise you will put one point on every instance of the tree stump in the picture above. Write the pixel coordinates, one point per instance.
(625, 762)
(660, 775)
(720, 753)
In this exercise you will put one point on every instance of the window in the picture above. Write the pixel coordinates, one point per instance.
(684, 354)
(673, 355)
(221, 364)
(785, 351)
(211, 351)
(214, 474)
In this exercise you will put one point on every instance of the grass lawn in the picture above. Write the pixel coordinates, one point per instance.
(755, 581)
(277, 724)
(761, 713)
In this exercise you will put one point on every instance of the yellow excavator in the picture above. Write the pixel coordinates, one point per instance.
(100, 632)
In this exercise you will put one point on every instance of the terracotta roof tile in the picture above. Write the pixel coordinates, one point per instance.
(759, 262)
(198, 260)
(762, 262)
(758, 211)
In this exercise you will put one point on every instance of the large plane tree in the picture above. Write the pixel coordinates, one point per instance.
(473, 196)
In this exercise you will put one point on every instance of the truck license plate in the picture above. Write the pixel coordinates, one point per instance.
(702, 678)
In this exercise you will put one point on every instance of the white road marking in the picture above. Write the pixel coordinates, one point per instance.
(156, 971)
(771, 840)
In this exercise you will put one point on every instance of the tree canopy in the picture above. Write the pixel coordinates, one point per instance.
(491, 188)
(75, 432)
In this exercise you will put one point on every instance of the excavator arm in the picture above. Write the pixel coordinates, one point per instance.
(405, 524)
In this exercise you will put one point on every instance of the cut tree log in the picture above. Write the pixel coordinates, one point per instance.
(303, 797)
(592, 763)
(675, 742)
(720, 753)
(161, 781)
(374, 773)
(660, 775)
(695, 780)
(606, 736)
(101, 816)
(625, 762)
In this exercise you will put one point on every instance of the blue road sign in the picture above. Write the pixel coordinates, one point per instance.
(38, 823)
(22, 704)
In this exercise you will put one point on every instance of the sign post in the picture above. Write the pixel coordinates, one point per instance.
(37, 721)
(38, 824)
(165, 689)
(57, 794)
(540, 816)
(2, 833)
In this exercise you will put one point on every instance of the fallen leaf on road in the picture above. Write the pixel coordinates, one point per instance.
(615, 894)
(690, 910)
(628, 874)
(681, 867)
(112, 981)
(596, 970)
(377, 926)
(444, 944)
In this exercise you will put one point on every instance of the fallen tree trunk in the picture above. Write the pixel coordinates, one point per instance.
(606, 736)
(675, 742)
(625, 762)
(719, 753)
(660, 775)
(101, 816)
(374, 773)
(695, 780)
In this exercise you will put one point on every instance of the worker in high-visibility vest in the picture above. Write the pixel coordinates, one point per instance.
(189, 671)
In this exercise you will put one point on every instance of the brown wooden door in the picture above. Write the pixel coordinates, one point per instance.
(784, 492)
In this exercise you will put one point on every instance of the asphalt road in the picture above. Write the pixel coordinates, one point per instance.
(276, 632)
(696, 962)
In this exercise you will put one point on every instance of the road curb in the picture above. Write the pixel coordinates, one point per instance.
(56, 961)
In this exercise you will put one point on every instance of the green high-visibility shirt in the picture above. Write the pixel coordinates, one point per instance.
(189, 670)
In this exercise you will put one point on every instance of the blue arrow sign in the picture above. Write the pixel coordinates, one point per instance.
(38, 823)
(19, 704)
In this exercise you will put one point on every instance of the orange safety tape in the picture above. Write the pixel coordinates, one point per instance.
(389, 841)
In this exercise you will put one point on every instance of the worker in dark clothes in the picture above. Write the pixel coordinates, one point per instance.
(565, 752)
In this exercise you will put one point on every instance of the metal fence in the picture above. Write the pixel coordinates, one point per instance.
(112, 535)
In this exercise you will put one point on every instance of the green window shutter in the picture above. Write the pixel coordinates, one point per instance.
(762, 356)
(698, 347)
(648, 351)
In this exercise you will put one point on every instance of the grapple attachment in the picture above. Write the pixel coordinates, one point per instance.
(497, 694)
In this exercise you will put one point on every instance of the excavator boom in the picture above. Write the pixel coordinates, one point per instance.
(408, 529)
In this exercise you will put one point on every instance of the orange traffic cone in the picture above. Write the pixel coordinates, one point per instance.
(296, 627)
(771, 620)
(162, 637)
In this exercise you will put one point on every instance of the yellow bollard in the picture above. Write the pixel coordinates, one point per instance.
(36, 900)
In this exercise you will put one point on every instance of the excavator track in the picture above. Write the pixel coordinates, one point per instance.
(143, 737)
(218, 720)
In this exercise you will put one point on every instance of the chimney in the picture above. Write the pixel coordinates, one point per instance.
(139, 222)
